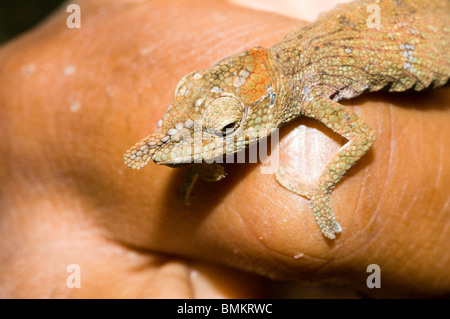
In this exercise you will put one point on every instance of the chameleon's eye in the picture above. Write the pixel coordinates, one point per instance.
(229, 128)
(224, 116)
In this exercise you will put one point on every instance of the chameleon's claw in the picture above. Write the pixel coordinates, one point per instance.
(330, 232)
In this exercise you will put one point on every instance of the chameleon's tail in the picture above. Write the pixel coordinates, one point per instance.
(141, 153)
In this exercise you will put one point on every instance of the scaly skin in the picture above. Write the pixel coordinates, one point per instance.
(243, 98)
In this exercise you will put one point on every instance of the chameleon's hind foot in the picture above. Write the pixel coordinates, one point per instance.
(285, 179)
(320, 203)
(321, 207)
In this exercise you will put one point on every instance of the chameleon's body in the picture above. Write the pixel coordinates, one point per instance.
(247, 96)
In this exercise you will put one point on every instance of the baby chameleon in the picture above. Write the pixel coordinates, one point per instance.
(243, 98)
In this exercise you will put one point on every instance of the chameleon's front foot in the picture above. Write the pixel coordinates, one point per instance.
(209, 172)
(320, 203)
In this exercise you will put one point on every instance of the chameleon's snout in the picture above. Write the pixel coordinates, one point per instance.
(142, 152)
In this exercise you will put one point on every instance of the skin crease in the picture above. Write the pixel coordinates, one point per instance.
(74, 100)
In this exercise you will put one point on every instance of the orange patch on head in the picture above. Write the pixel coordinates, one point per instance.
(250, 85)
(256, 85)
(250, 96)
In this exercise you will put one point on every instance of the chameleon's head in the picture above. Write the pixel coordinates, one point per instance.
(216, 112)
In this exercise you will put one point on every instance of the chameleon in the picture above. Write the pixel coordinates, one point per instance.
(246, 97)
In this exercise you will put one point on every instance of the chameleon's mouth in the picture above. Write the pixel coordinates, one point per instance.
(177, 154)
(190, 151)
(155, 147)
(174, 165)
(161, 158)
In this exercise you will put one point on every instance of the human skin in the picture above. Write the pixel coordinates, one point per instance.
(73, 100)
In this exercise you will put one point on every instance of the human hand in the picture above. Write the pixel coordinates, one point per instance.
(75, 99)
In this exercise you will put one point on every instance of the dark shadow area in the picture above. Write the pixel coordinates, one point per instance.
(18, 16)
(408, 99)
